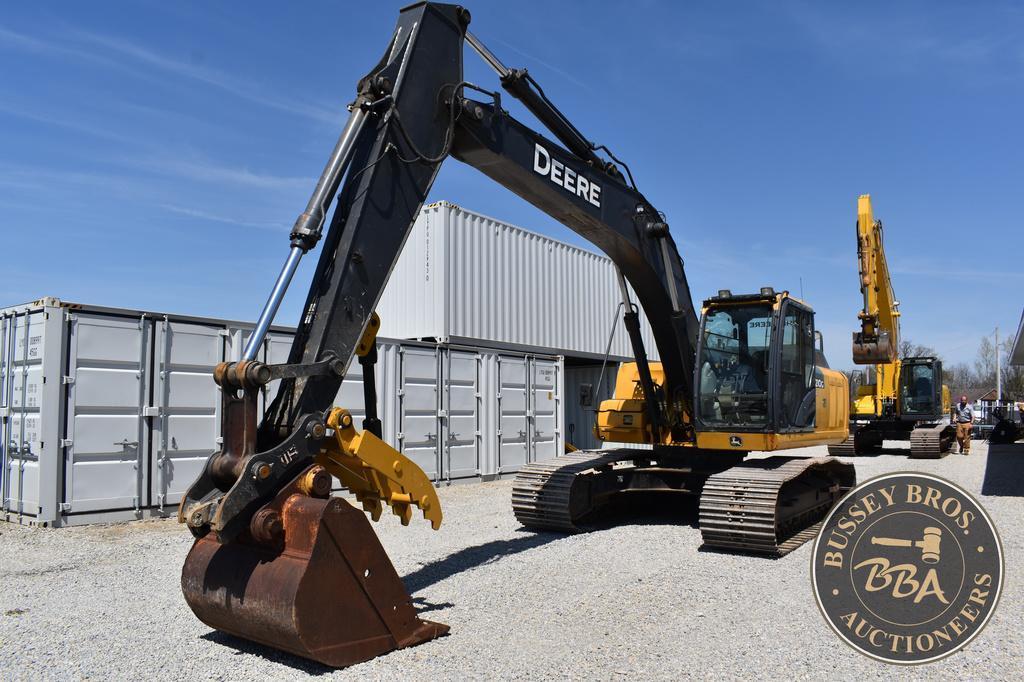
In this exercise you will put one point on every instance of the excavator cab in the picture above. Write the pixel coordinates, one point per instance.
(756, 360)
(920, 387)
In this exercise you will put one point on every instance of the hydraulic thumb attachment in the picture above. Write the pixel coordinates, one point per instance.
(377, 474)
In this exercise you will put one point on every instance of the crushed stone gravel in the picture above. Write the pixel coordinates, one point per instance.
(633, 600)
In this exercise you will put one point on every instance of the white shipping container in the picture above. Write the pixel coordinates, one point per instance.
(109, 414)
(466, 278)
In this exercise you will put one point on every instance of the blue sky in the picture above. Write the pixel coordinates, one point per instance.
(154, 155)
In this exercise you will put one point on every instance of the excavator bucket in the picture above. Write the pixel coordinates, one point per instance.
(878, 351)
(310, 578)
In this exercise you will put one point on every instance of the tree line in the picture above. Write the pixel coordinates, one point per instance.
(973, 378)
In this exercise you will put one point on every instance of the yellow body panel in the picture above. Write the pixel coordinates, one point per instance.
(623, 418)
(871, 397)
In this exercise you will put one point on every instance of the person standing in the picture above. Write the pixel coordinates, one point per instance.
(963, 415)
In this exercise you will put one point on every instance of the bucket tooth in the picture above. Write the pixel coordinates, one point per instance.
(323, 588)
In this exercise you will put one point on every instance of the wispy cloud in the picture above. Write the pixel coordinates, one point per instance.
(217, 79)
(205, 215)
(71, 124)
(123, 55)
(954, 271)
(551, 67)
(907, 44)
(206, 171)
(26, 43)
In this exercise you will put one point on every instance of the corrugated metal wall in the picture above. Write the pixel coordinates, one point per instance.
(108, 414)
(465, 276)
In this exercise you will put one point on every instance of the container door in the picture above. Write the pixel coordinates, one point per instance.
(186, 430)
(460, 410)
(545, 404)
(25, 372)
(107, 390)
(418, 404)
(513, 421)
(6, 322)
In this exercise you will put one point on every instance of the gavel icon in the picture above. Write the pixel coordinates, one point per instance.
(929, 544)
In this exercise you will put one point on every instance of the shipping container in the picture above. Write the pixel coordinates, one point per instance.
(109, 414)
(466, 278)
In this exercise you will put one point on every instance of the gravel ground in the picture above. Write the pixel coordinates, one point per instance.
(633, 600)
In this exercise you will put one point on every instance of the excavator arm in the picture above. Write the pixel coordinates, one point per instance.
(409, 116)
(271, 547)
(878, 340)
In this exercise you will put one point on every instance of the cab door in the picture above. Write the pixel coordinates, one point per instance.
(793, 370)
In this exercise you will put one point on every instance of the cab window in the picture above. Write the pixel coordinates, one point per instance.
(733, 366)
(796, 369)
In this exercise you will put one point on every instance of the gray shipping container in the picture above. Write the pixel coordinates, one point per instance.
(464, 277)
(109, 414)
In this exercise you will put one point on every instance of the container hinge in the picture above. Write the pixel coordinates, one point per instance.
(442, 414)
(150, 411)
(135, 503)
(400, 436)
(160, 501)
(64, 507)
(5, 412)
(68, 316)
(66, 442)
(219, 440)
(67, 380)
(223, 333)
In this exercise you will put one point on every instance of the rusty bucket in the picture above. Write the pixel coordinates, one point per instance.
(877, 351)
(310, 578)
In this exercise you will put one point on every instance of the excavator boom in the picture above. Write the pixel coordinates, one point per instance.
(268, 534)
(878, 340)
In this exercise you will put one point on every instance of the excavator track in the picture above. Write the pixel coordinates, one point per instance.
(765, 506)
(771, 506)
(848, 448)
(547, 495)
(861, 441)
(931, 441)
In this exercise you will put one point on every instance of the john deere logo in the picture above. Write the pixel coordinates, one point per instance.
(907, 568)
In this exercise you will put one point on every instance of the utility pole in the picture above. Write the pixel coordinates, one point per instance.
(999, 374)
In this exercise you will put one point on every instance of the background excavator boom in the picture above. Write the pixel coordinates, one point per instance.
(879, 336)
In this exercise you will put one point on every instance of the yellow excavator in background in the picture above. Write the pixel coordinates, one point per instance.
(906, 399)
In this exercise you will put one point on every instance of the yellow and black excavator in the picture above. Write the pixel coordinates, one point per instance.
(906, 399)
(280, 561)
